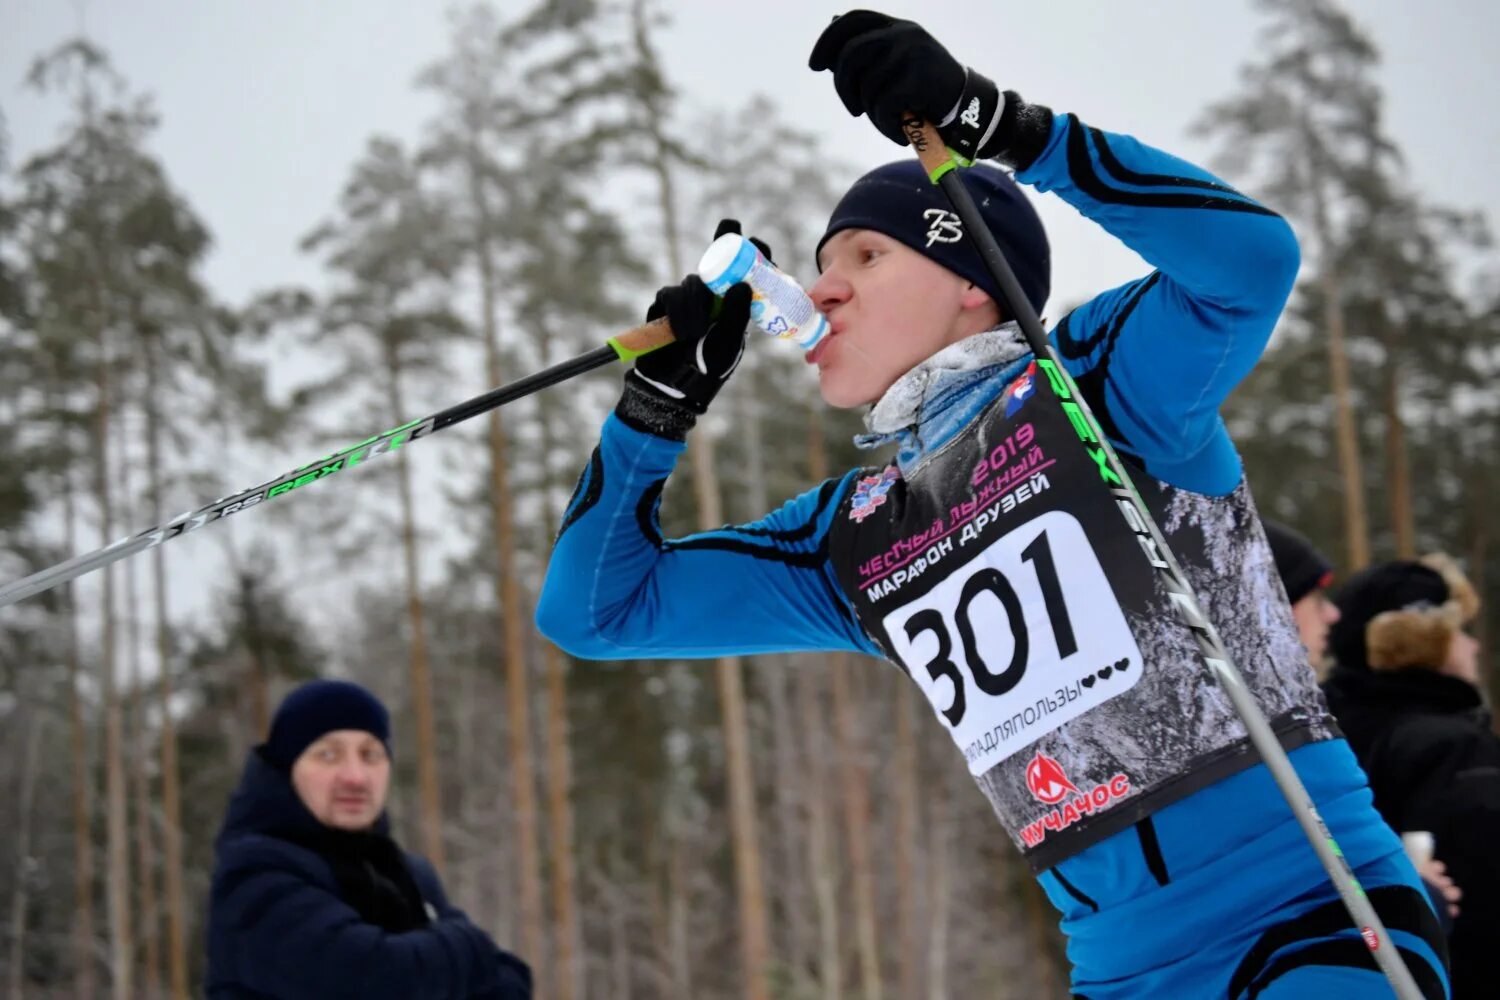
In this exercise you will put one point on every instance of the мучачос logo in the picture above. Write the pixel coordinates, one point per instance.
(1049, 784)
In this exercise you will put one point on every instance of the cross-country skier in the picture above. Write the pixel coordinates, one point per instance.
(989, 566)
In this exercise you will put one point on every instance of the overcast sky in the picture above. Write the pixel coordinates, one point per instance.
(266, 105)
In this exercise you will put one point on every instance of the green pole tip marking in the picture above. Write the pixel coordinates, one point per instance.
(955, 160)
(624, 353)
(937, 175)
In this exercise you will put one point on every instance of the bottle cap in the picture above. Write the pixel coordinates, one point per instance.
(726, 261)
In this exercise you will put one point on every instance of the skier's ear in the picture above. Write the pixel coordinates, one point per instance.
(974, 297)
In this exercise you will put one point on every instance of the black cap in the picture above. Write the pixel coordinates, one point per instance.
(1302, 568)
(320, 707)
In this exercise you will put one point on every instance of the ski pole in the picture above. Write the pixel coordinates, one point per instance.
(942, 167)
(625, 347)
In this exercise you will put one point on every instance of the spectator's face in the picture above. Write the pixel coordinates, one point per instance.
(343, 778)
(1463, 658)
(889, 308)
(1315, 615)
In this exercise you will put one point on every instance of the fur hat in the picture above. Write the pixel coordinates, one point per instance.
(1402, 614)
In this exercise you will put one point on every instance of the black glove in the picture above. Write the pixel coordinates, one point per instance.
(886, 68)
(671, 387)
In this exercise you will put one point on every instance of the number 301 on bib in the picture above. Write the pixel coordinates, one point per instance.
(1019, 640)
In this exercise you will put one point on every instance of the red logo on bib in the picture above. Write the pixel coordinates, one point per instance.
(1047, 781)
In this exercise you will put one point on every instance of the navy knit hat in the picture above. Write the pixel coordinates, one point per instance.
(320, 707)
(1301, 567)
(900, 201)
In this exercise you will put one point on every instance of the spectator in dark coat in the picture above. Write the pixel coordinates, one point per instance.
(1406, 691)
(1306, 574)
(311, 897)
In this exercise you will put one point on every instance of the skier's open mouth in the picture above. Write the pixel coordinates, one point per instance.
(812, 357)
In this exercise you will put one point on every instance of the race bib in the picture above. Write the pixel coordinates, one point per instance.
(1017, 641)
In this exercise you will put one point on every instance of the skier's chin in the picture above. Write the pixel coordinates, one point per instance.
(837, 393)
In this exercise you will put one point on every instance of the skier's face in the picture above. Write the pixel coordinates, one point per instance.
(889, 308)
(343, 778)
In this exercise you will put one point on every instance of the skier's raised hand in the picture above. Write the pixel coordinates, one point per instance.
(886, 68)
(710, 338)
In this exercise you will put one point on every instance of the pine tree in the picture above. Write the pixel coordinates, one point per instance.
(477, 124)
(1306, 104)
(390, 248)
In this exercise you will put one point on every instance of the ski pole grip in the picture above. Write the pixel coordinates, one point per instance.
(924, 138)
(642, 339)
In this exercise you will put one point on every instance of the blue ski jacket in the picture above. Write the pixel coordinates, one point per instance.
(1110, 756)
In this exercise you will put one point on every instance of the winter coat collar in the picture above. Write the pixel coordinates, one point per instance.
(1409, 690)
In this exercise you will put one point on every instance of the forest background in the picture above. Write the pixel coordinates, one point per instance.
(231, 241)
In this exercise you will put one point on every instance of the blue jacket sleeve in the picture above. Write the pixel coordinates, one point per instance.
(292, 936)
(615, 589)
(1158, 356)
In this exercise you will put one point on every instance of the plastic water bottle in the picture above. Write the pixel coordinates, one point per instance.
(778, 305)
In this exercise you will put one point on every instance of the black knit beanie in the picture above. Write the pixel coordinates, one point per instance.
(320, 707)
(900, 200)
(1301, 567)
